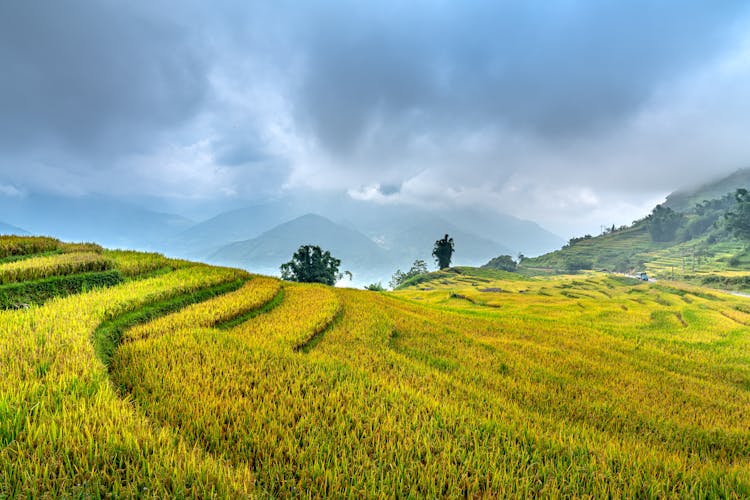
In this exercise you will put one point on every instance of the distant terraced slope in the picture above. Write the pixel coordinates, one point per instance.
(703, 249)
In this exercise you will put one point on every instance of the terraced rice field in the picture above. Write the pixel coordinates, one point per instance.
(184, 380)
(688, 259)
(602, 252)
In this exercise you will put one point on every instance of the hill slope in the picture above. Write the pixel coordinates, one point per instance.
(702, 249)
(207, 237)
(92, 218)
(204, 381)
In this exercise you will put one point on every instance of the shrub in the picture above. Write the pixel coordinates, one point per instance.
(503, 263)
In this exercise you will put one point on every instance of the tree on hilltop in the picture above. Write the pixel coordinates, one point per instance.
(310, 264)
(443, 251)
(399, 277)
(503, 263)
(738, 220)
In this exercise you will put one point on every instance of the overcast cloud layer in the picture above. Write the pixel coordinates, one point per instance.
(570, 113)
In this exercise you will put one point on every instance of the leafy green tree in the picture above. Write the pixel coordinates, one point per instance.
(399, 277)
(310, 264)
(375, 287)
(663, 223)
(503, 263)
(443, 252)
(738, 220)
(418, 267)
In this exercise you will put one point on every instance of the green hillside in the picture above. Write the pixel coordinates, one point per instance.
(698, 246)
(619, 251)
(182, 380)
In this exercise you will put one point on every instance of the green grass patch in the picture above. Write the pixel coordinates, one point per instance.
(278, 299)
(108, 335)
(16, 295)
(315, 339)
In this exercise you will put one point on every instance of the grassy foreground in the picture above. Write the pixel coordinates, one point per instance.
(481, 384)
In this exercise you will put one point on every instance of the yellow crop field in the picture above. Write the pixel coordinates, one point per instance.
(23, 245)
(131, 263)
(254, 294)
(468, 384)
(53, 265)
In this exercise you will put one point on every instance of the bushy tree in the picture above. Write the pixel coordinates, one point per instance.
(399, 277)
(443, 252)
(738, 220)
(663, 223)
(375, 287)
(310, 264)
(503, 263)
(577, 263)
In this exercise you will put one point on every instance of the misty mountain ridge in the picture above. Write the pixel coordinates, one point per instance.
(375, 239)
(391, 226)
(108, 221)
(683, 200)
(372, 240)
(358, 253)
(206, 237)
(268, 251)
(387, 223)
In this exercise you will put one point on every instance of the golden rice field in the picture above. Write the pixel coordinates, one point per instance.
(53, 265)
(473, 384)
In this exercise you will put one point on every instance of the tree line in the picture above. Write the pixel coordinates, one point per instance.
(312, 264)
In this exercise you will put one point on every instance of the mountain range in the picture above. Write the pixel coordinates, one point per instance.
(371, 240)
(275, 246)
(107, 221)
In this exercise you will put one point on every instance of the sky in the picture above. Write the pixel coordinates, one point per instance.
(570, 113)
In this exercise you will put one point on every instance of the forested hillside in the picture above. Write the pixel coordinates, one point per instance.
(704, 242)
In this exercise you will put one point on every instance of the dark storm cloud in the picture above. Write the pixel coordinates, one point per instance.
(553, 69)
(239, 151)
(558, 107)
(94, 76)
